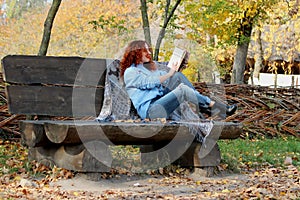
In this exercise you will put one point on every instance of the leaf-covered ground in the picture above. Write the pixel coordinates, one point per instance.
(23, 179)
(267, 183)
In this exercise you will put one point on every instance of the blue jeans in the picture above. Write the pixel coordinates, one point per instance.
(177, 90)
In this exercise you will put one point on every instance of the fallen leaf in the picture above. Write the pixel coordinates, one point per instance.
(288, 161)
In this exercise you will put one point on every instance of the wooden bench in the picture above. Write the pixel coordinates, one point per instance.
(45, 86)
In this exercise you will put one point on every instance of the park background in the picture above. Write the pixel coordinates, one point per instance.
(211, 31)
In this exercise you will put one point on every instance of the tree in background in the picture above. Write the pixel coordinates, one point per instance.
(271, 36)
(232, 22)
(22, 35)
(166, 16)
(145, 20)
(48, 27)
(114, 27)
(15, 8)
(120, 21)
(73, 35)
(295, 8)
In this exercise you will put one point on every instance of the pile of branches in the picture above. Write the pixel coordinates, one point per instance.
(264, 111)
(9, 126)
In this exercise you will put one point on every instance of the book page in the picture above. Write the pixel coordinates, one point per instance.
(177, 57)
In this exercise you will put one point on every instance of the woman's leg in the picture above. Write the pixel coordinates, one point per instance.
(205, 103)
(177, 79)
(165, 105)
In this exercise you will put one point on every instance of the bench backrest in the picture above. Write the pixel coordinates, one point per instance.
(45, 85)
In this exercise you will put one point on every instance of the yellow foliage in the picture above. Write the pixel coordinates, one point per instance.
(71, 33)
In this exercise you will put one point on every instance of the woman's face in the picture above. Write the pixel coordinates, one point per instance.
(146, 54)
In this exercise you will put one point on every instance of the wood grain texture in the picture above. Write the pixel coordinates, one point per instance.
(54, 101)
(118, 133)
(95, 158)
(74, 87)
(53, 70)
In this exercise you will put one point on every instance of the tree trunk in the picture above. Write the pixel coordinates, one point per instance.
(161, 35)
(239, 63)
(242, 49)
(168, 15)
(258, 59)
(146, 26)
(48, 26)
(46, 35)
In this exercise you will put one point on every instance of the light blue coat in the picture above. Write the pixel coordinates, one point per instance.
(143, 85)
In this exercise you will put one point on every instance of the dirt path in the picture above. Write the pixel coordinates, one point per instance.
(267, 183)
(143, 185)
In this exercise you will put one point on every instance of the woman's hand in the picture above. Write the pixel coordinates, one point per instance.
(174, 67)
(171, 72)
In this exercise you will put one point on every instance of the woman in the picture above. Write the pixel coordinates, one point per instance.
(157, 93)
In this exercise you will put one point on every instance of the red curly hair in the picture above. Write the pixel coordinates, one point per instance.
(133, 55)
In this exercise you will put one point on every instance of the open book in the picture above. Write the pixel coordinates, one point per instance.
(177, 57)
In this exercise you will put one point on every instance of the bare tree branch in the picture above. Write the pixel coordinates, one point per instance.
(145, 19)
(48, 26)
(162, 32)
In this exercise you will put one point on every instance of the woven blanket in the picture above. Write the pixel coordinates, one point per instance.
(117, 104)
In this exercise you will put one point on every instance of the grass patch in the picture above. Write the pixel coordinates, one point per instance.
(13, 158)
(245, 153)
(14, 163)
(237, 155)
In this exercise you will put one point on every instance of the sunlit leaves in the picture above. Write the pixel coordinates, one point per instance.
(109, 24)
(226, 19)
(16, 8)
(71, 33)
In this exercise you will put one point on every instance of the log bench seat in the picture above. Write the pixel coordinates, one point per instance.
(54, 88)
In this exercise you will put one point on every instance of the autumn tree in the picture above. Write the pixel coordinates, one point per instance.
(168, 13)
(15, 8)
(232, 22)
(168, 8)
(145, 20)
(48, 27)
(276, 38)
(73, 35)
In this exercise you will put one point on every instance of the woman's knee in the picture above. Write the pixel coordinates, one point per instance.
(185, 93)
(183, 79)
(157, 111)
(184, 87)
(181, 90)
(177, 75)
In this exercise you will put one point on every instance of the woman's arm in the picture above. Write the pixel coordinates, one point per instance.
(169, 74)
(135, 78)
(163, 78)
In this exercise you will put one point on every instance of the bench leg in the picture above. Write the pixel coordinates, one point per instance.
(191, 157)
(154, 159)
(94, 156)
